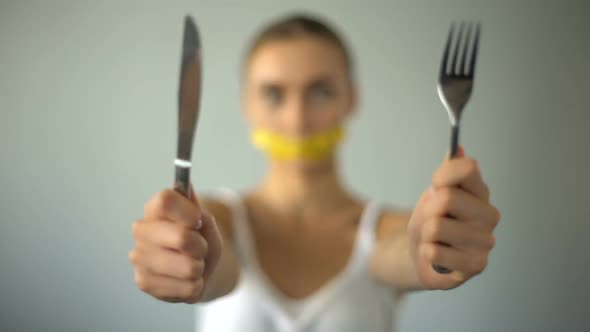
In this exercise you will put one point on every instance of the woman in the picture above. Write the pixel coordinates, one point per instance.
(300, 252)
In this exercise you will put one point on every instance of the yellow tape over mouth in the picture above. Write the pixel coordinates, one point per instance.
(314, 147)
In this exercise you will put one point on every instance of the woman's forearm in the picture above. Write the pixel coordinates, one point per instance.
(392, 264)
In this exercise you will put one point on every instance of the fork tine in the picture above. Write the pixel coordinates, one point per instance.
(456, 53)
(443, 64)
(465, 47)
(474, 52)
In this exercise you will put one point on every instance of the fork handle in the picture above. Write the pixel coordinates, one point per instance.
(454, 140)
(454, 150)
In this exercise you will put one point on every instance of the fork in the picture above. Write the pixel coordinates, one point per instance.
(455, 83)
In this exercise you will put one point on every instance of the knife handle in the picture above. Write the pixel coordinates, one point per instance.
(182, 180)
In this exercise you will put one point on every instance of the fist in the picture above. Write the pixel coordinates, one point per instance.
(177, 246)
(452, 225)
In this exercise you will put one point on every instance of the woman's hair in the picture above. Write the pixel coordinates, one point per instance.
(297, 26)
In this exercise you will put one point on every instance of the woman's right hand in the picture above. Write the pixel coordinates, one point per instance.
(177, 246)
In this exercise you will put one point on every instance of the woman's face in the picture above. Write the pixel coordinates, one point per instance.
(297, 87)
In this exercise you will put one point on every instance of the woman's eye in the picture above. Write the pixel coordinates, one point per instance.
(272, 96)
(321, 92)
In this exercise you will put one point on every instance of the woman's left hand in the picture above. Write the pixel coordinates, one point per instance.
(452, 225)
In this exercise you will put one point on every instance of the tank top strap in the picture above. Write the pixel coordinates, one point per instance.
(366, 231)
(242, 240)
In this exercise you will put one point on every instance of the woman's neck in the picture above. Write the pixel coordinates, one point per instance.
(304, 192)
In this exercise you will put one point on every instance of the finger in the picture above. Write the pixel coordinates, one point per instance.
(169, 235)
(167, 288)
(458, 276)
(171, 205)
(211, 234)
(463, 206)
(167, 263)
(459, 235)
(469, 263)
(460, 153)
(462, 172)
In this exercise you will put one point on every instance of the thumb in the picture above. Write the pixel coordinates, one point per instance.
(214, 240)
(193, 195)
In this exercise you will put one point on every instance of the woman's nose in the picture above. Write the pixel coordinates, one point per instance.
(296, 118)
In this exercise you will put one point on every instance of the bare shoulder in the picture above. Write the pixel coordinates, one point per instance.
(221, 212)
(392, 223)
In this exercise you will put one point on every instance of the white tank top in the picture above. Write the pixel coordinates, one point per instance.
(350, 301)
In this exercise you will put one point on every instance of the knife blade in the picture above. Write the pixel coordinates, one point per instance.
(189, 98)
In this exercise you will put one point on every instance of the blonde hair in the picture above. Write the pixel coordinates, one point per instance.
(298, 26)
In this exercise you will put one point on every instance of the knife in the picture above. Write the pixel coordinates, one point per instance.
(189, 98)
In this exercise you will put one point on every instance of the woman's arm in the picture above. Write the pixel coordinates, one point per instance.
(391, 262)
(225, 277)
(451, 226)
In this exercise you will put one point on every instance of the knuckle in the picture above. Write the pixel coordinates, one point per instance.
(486, 189)
(432, 229)
(478, 264)
(146, 206)
(203, 248)
(190, 290)
(164, 200)
(183, 239)
(193, 290)
(135, 229)
(141, 282)
(195, 269)
(435, 253)
(496, 216)
(187, 268)
(133, 256)
(437, 176)
(471, 166)
(430, 252)
(199, 213)
(492, 243)
(445, 199)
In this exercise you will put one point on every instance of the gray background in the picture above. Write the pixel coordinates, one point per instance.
(87, 134)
